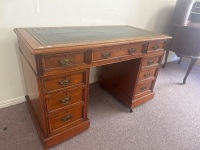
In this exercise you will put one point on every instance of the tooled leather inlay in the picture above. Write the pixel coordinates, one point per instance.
(67, 35)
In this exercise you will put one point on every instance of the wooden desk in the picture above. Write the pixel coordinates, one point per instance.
(56, 63)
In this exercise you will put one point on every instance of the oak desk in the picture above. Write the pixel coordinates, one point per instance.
(56, 63)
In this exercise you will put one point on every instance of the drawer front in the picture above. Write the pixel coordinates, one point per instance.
(144, 86)
(64, 81)
(155, 46)
(65, 118)
(64, 99)
(147, 73)
(63, 60)
(116, 51)
(151, 61)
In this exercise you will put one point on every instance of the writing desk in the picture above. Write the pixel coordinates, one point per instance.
(56, 63)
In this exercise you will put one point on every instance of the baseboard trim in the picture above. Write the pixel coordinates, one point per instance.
(10, 102)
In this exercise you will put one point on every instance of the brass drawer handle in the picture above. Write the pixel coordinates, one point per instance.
(155, 47)
(150, 62)
(66, 100)
(143, 88)
(65, 82)
(131, 51)
(65, 61)
(105, 55)
(67, 118)
(147, 75)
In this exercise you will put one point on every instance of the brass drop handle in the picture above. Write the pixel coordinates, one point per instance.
(155, 47)
(65, 82)
(131, 51)
(65, 61)
(106, 55)
(67, 118)
(143, 88)
(147, 74)
(150, 62)
(66, 100)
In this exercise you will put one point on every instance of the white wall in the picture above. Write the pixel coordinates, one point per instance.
(148, 14)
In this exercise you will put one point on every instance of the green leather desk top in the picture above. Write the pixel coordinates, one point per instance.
(80, 35)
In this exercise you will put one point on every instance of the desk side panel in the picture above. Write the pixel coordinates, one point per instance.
(33, 96)
(24, 48)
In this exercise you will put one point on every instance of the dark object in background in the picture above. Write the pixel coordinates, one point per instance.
(185, 32)
(195, 13)
(182, 11)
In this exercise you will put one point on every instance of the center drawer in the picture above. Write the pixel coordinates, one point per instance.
(63, 81)
(112, 52)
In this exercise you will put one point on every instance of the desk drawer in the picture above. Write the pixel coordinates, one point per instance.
(155, 46)
(65, 60)
(64, 99)
(147, 73)
(65, 118)
(112, 52)
(152, 61)
(144, 86)
(59, 82)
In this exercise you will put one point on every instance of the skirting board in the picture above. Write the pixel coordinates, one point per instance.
(11, 102)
